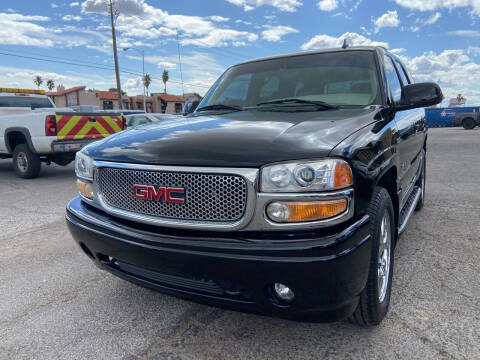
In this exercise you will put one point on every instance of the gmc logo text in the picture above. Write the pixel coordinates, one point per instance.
(164, 194)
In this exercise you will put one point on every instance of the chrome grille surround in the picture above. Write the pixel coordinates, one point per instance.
(208, 197)
(209, 216)
(254, 218)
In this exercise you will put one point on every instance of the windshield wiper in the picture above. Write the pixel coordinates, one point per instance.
(220, 107)
(299, 101)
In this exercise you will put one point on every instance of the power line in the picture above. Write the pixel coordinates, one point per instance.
(99, 66)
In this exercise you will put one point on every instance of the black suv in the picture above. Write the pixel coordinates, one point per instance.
(284, 193)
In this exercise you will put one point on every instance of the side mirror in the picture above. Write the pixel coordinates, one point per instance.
(419, 95)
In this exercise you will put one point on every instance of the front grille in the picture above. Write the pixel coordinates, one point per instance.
(209, 197)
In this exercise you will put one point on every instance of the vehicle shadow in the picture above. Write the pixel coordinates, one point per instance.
(47, 171)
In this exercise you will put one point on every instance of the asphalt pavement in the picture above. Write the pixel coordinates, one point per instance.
(55, 304)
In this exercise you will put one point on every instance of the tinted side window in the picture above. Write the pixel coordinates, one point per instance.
(392, 79)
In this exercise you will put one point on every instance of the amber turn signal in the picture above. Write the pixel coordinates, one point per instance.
(343, 175)
(301, 211)
(85, 189)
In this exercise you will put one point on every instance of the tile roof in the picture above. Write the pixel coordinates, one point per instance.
(66, 91)
(170, 98)
(107, 95)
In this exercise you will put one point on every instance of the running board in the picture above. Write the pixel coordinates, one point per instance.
(408, 208)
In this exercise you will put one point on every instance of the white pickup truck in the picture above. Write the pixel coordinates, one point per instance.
(33, 130)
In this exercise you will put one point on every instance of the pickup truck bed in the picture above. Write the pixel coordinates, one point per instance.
(37, 132)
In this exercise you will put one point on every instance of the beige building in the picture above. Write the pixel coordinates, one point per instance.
(73, 96)
(108, 100)
(167, 103)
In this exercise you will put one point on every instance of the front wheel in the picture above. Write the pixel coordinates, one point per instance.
(468, 123)
(25, 162)
(375, 298)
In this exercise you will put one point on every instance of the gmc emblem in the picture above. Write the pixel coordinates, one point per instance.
(164, 194)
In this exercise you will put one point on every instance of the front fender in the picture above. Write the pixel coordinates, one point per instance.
(372, 153)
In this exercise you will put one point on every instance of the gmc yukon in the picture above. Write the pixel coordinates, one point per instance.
(284, 193)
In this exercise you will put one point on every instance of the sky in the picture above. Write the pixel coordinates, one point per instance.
(70, 41)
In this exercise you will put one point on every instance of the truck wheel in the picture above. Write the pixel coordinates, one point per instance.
(421, 183)
(375, 298)
(25, 163)
(468, 123)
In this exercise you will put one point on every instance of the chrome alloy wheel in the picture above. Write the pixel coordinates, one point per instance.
(22, 162)
(384, 253)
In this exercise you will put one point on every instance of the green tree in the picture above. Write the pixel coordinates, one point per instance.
(50, 84)
(165, 79)
(147, 80)
(114, 90)
(37, 80)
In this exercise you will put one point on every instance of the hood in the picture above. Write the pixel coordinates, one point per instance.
(239, 139)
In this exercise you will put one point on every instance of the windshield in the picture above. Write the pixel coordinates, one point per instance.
(338, 78)
(27, 101)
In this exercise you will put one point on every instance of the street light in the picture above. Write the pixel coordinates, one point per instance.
(143, 72)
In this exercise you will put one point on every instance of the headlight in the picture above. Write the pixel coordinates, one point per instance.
(83, 166)
(306, 176)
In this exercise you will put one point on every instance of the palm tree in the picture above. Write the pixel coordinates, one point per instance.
(165, 79)
(50, 84)
(38, 81)
(147, 80)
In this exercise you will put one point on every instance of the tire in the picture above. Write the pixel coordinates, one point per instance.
(375, 298)
(422, 184)
(26, 163)
(468, 123)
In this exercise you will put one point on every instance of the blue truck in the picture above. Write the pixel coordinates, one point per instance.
(446, 117)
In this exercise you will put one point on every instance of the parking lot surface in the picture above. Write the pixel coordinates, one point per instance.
(55, 303)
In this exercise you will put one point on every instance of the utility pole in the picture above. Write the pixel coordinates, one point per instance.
(115, 58)
(180, 63)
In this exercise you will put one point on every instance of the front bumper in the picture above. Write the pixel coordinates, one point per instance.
(235, 270)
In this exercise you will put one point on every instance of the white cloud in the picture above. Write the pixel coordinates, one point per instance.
(365, 30)
(389, 19)
(327, 5)
(275, 33)
(414, 28)
(454, 71)
(72, 18)
(18, 29)
(133, 86)
(353, 39)
(139, 20)
(398, 50)
(282, 5)
(222, 37)
(217, 18)
(125, 7)
(54, 6)
(433, 19)
(75, 3)
(238, 21)
(167, 65)
(474, 50)
(440, 4)
(466, 33)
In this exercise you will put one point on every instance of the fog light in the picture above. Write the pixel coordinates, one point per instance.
(85, 189)
(283, 292)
